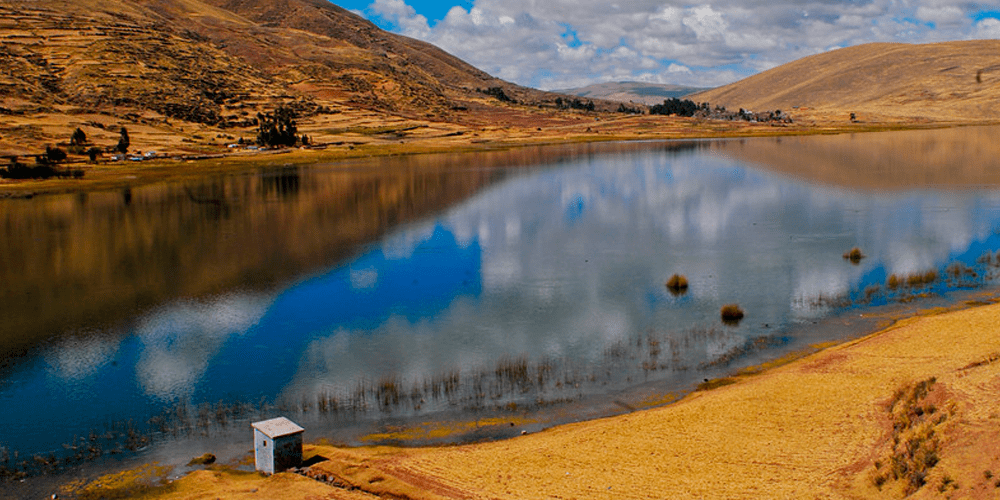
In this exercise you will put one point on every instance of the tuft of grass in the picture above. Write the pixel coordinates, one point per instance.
(731, 313)
(715, 383)
(206, 459)
(677, 284)
(854, 255)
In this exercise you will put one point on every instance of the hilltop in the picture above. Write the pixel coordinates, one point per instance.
(952, 82)
(633, 92)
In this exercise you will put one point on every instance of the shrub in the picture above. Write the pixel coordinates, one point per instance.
(206, 459)
(79, 137)
(854, 255)
(52, 155)
(677, 284)
(731, 313)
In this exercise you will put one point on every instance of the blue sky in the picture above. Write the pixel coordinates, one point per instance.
(560, 44)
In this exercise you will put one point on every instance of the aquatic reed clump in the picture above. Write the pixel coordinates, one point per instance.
(731, 313)
(677, 284)
(389, 391)
(921, 279)
(854, 255)
(513, 372)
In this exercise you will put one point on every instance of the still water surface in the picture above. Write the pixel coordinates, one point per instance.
(464, 283)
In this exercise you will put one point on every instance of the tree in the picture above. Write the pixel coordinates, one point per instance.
(675, 106)
(53, 155)
(79, 138)
(93, 153)
(123, 142)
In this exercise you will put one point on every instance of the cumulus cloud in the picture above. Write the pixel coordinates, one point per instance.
(562, 43)
(988, 28)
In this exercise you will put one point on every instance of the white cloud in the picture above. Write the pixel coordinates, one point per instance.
(718, 41)
(987, 28)
(941, 15)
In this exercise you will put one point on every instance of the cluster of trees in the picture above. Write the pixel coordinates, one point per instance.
(629, 109)
(574, 104)
(278, 129)
(497, 93)
(44, 167)
(675, 106)
(46, 163)
(685, 107)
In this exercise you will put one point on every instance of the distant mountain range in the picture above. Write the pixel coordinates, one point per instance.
(632, 92)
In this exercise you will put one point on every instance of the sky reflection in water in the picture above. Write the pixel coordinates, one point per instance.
(560, 264)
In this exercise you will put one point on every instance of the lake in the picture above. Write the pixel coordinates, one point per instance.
(362, 296)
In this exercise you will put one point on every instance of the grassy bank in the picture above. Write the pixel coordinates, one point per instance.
(908, 410)
(213, 160)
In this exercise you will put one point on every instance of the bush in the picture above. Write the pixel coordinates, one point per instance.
(731, 313)
(677, 284)
(854, 255)
(79, 138)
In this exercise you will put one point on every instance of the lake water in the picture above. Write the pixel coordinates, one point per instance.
(359, 295)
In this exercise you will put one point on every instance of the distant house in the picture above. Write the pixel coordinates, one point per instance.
(277, 445)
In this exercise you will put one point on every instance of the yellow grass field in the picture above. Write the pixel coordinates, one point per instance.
(818, 427)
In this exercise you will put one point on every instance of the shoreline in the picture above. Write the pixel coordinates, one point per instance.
(955, 345)
(108, 175)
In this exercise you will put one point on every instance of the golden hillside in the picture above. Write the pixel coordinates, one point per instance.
(182, 73)
(952, 81)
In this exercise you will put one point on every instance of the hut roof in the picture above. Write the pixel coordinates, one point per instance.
(277, 427)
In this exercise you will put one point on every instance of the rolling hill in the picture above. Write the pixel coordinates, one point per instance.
(951, 81)
(164, 66)
(632, 92)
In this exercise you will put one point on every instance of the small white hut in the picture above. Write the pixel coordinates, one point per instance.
(277, 444)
